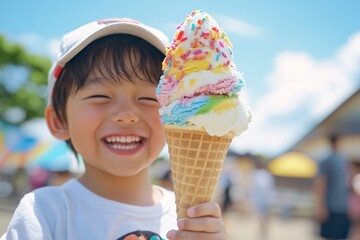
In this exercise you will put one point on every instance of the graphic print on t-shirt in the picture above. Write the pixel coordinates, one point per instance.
(141, 235)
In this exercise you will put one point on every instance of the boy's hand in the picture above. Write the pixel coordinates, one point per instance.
(204, 221)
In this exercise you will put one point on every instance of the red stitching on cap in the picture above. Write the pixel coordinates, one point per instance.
(58, 70)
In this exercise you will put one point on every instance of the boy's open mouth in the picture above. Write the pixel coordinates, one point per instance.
(126, 143)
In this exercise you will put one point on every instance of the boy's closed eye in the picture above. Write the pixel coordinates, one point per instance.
(149, 100)
(146, 100)
(97, 96)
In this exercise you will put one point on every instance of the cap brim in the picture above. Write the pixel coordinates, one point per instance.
(140, 31)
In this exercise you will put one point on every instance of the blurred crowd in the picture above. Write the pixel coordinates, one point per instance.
(246, 187)
(14, 183)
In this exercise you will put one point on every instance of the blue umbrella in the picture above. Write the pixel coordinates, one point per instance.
(58, 157)
(15, 140)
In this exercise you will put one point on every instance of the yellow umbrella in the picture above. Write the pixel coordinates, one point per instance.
(293, 164)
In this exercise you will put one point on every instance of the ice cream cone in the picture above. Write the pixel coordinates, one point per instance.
(196, 160)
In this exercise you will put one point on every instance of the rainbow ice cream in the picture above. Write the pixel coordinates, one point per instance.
(200, 85)
(199, 107)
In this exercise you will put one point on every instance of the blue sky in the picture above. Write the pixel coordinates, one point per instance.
(300, 59)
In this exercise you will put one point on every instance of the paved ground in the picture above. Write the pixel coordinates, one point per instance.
(240, 226)
(7, 207)
(245, 227)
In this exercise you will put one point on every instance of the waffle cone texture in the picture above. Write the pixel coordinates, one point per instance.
(196, 161)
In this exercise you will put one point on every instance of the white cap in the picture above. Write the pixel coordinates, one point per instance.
(73, 42)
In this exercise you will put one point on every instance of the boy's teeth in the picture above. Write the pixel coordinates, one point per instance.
(123, 147)
(123, 139)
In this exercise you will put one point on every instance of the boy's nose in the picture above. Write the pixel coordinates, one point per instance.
(125, 117)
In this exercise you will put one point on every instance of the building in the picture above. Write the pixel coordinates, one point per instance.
(295, 169)
(343, 121)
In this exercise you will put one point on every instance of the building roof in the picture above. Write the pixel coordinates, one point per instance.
(344, 120)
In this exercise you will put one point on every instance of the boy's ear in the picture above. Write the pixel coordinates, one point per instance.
(56, 127)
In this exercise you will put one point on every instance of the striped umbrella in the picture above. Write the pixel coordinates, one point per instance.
(57, 157)
(14, 145)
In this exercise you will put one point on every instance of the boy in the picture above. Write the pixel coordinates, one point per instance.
(102, 102)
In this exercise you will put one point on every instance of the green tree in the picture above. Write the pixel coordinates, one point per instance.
(23, 78)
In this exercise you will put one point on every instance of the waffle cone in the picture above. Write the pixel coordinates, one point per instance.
(196, 161)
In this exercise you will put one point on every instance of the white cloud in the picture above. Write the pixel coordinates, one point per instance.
(301, 92)
(236, 26)
(230, 25)
(53, 46)
(38, 45)
(349, 55)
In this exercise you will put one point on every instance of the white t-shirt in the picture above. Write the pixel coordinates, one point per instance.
(71, 211)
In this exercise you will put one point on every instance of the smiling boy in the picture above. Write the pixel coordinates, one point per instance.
(102, 103)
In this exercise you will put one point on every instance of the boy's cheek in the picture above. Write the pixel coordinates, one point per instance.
(157, 117)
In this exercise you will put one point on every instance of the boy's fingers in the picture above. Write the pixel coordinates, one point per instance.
(204, 224)
(211, 209)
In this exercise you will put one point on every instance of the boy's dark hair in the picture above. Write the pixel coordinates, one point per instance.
(115, 56)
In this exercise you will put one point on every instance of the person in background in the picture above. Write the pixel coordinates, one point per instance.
(102, 101)
(354, 199)
(262, 194)
(38, 177)
(223, 196)
(331, 191)
(58, 178)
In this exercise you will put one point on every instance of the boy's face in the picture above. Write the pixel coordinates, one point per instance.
(115, 126)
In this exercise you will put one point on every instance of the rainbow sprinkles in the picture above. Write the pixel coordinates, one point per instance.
(199, 76)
